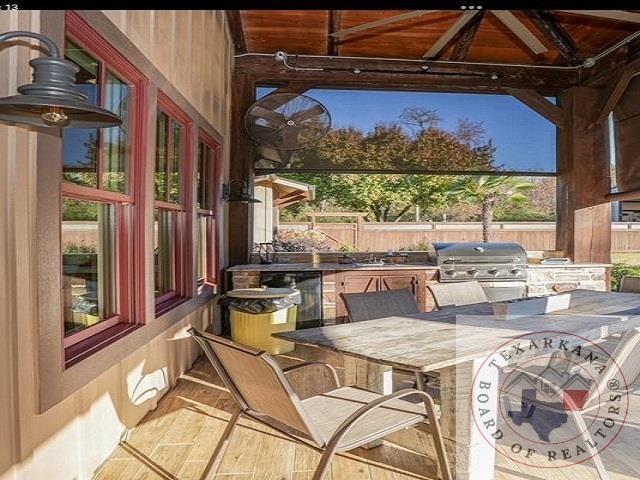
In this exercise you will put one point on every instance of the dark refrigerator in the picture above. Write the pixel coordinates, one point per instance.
(310, 286)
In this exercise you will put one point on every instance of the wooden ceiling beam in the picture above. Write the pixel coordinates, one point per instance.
(382, 22)
(333, 43)
(521, 31)
(556, 33)
(451, 32)
(466, 38)
(387, 74)
(541, 105)
(237, 32)
(619, 15)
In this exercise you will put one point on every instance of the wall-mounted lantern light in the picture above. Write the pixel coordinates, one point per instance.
(52, 100)
(239, 194)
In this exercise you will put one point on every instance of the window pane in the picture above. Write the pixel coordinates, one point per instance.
(176, 162)
(202, 169)
(115, 140)
(80, 145)
(90, 270)
(162, 151)
(164, 250)
(202, 248)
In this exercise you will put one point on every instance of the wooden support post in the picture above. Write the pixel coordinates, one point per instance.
(240, 234)
(584, 213)
(237, 31)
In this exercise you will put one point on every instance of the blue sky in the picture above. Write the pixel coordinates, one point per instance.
(525, 141)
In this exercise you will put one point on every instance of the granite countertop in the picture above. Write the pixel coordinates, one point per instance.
(295, 267)
(301, 267)
(569, 265)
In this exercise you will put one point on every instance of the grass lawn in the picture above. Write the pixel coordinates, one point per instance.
(630, 258)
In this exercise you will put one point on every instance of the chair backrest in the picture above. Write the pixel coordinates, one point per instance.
(372, 305)
(257, 384)
(621, 370)
(456, 294)
(629, 284)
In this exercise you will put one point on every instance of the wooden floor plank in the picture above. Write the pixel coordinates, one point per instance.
(176, 441)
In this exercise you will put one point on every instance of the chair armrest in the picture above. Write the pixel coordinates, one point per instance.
(352, 419)
(334, 374)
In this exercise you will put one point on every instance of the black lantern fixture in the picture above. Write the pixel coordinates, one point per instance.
(241, 193)
(52, 99)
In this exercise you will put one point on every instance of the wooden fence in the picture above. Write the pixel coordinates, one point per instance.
(395, 236)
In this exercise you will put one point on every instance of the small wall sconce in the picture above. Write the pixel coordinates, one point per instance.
(52, 99)
(241, 193)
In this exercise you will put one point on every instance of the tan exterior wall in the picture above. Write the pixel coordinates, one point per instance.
(71, 439)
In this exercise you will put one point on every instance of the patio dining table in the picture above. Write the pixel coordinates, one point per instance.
(456, 342)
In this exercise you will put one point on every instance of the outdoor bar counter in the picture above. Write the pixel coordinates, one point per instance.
(542, 279)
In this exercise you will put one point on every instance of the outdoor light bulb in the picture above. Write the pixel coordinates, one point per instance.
(55, 117)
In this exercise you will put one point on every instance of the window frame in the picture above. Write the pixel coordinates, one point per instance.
(212, 216)
(184, 289)
(131, 284)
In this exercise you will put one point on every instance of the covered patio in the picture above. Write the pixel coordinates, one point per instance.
(150, 301)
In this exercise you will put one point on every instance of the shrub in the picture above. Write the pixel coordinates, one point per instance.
(620, 270)
(299, 241)
(73, 247)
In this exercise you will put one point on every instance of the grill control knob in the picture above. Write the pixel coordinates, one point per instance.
(451, 273)
(493, 271)
(472, 271)
(516, 271)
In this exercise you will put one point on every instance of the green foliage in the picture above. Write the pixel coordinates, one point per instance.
(73, 247)
(301, 241)
(620, 270)
(79, 210)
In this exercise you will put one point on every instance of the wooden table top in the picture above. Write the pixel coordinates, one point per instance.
(434, 340)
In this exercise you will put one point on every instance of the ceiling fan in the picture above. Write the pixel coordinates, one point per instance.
(518, 28)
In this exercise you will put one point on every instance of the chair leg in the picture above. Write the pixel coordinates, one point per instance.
(584, 433)
(216, 459)
(436, 434)
(325, 462)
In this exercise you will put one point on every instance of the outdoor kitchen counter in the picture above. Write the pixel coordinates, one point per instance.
(333, 267)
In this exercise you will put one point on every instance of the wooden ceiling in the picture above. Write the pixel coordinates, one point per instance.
(308, 32)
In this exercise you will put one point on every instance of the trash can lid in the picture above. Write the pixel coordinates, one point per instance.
(259, 293)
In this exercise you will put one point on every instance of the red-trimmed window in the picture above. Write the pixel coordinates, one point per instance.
(99, 194)
(208, 203)
(173, 207)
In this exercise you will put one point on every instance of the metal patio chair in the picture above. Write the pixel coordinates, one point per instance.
(623, 366)
(336, 421)
(387, 303)
(457, 294)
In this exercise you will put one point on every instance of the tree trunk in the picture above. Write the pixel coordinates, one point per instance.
(487, 219)
(402, 212)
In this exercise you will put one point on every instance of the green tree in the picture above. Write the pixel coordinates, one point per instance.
(415, 143)
(488, 191)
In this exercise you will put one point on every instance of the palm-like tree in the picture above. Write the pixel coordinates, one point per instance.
(488, 190)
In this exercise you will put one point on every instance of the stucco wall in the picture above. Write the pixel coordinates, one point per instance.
(71, 439)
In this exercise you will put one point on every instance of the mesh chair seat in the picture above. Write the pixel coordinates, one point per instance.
(329, 410)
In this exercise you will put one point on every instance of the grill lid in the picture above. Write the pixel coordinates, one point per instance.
(479, 252)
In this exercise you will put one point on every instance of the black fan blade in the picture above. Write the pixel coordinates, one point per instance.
(274, 118)
(307, 114)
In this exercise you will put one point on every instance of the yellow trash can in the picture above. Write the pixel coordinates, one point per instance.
(256, 329)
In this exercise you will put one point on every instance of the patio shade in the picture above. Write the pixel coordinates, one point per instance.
(627, 139)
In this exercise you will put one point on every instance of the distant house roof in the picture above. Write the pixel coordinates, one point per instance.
(285, 192)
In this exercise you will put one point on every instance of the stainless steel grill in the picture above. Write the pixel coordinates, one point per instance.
(488, 262)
